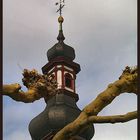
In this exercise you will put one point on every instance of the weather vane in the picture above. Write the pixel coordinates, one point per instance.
(61, 5)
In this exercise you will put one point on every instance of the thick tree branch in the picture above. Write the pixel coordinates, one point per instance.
(127, 83)
(42, 86)
(15, 93)
(38, 86)
(113, 119)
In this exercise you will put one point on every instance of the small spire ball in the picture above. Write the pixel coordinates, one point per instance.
(60, 19)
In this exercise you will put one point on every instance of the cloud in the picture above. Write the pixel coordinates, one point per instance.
(103, 34)
(116, 131)
(16, 135)
(17, 116)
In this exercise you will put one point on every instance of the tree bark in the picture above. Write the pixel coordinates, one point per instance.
(127, 83)
(16, 94)
(113, 119)
(41, 86)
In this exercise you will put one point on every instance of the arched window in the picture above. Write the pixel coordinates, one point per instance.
(68, 81)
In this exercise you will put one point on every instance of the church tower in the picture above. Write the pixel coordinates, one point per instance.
(61, 65)
(61, 109)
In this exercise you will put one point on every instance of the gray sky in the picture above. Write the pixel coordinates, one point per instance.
(103, 34)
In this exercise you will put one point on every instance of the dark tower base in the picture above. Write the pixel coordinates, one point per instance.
(60, 111)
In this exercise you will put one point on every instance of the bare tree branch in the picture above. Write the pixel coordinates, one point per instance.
(127, 83)
(113, 119)
(38, 86)
(16, 94)
(42, 86)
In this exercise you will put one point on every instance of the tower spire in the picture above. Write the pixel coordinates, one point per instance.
(60, 37)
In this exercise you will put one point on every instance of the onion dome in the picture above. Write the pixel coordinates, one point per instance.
(60, 49)
(60, 111)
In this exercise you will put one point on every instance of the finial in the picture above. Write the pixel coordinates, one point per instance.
(60, 37)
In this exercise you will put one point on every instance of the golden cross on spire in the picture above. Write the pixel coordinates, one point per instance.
(61, 5)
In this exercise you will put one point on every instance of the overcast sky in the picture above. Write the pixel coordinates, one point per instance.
(103, 34)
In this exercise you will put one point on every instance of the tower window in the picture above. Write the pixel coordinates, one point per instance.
(68, 81)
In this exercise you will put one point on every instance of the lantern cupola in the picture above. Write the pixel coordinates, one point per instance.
(61, 64)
